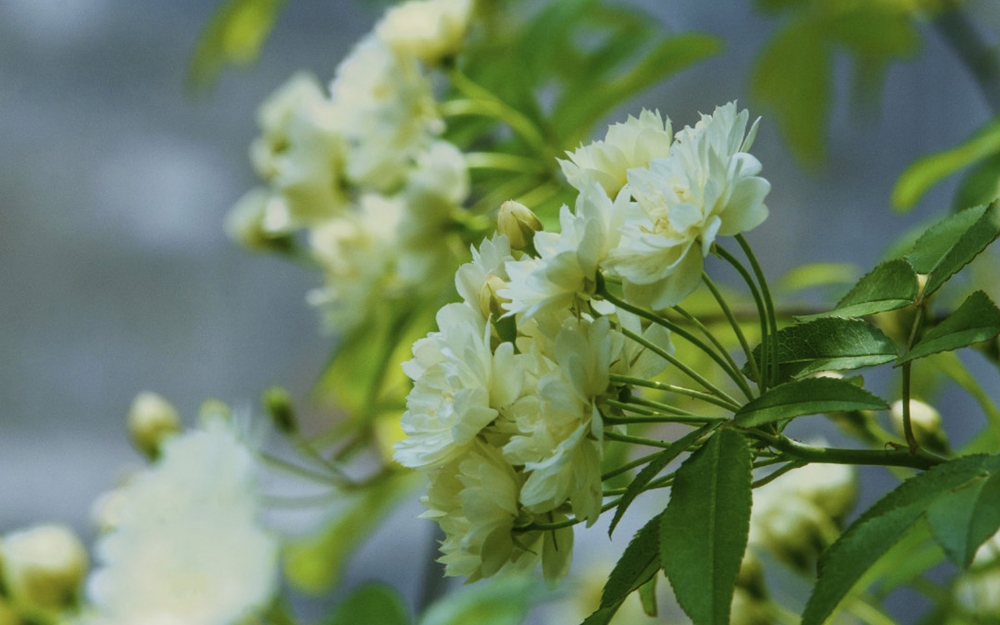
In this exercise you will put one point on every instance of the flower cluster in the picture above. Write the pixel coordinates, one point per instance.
(515, 395)
(361, 167)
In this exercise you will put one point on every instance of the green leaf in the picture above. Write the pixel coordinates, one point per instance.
(889, 286)
(314, 564)
(235, 34)
(883, 525)
(976, 320)
(647, 594)
(792, 79)
(963, 518)
(639, 563)
(979, 185)
(703, 533)
(830, 344)
(970, 244)
(927, 171)
(812, 275)
(804, 397)
(934, 244)
(653, 469)
(502, 601)
(371, 603)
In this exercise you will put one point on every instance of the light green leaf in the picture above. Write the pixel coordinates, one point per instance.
(235, 34)
(889, 286)
(653, 469)
(639, 563)
(979, 185)
(927, 171)
(976, 320)
(812, 275)
(314, 564)
(830, 344)
(883, 525)
(804, 397)
(964, 517)
(502, 601)
(647, 594)
(970, 244)
(371, 603)
(934, 244)
(792, 78)
(703, 532)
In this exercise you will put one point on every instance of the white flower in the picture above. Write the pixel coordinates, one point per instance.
(706, 186)
(627, 145)
(427, 29)
(488, 260)
(188, 547)
(459, 388)
(358, 253)
(386, 112)
(42, 567)
(300, 150)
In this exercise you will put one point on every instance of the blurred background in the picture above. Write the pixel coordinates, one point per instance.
(116, 276)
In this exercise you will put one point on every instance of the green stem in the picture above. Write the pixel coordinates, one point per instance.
(768, 304)
(733, 370)
(503, 161)
(724, 254)
(795, 464)
(911, 439)
(691, 373)
(679, 390)
(727, 311)
(300, 501)
(546, 527)
(654, 417)
(828, 455)
(294, 469)
(638, 462)
(636, 440)
(660, 407)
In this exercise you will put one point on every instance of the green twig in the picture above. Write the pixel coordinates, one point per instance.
(679, 390)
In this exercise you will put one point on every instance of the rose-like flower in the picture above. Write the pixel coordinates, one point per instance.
(430, 30)
(707, 186)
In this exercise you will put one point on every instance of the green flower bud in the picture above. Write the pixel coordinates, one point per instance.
(43, 567)
(278, 404)
(519, 225)
(489, 302)
(151, 419)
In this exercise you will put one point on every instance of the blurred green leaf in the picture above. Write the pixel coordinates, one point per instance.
(234, 35)
(979, 185)
(928, 170)
(976, 238)
(964, 517)
(812, 275)
(372, 603)
(703, 533)
(889, 286)
(315, 563)
(976, 320)
(934, 244)
(639, 562)
(792, 78)
(502, 601)
(807, 397)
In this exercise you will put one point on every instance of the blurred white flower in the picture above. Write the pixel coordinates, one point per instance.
(300, 150)
(706, 186)
(42, 567)
(627, 145)
(430, 30)
(459, 388)
(188, 547)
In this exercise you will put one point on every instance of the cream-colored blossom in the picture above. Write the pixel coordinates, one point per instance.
(430, 30)
(188, 547)
(386, 112)
(489, 259)
(627, 145)
(42, 568)
(300, 150)
(151, 419)
(459, 388)
(707, 186)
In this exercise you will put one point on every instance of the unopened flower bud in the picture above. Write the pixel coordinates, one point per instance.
(746, 609)
(278, 404)
(212, 409)
(43, 567)
(260, 222)
(150, 420)
(518, 224)
(925, 421)
(491, 304)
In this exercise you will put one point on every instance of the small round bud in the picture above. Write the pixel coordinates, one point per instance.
(518, 224)
(278, 404)
(260, 221)
(925, 421)
(43, 567)
(491, 304)
(151, 419)
(212, 409)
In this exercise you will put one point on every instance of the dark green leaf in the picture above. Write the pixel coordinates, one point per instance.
(371, 603)
(703, 533)
(931, 169)
(979, 185)
(829, 345)
(235, 34)
(808, 396)
(653, 469)
(934, 244)
(970, 244)
(889, 286)
(881, 526)
(639, 562)
(502, 601)
(792, 78)
(964, 517)
(976, 320)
